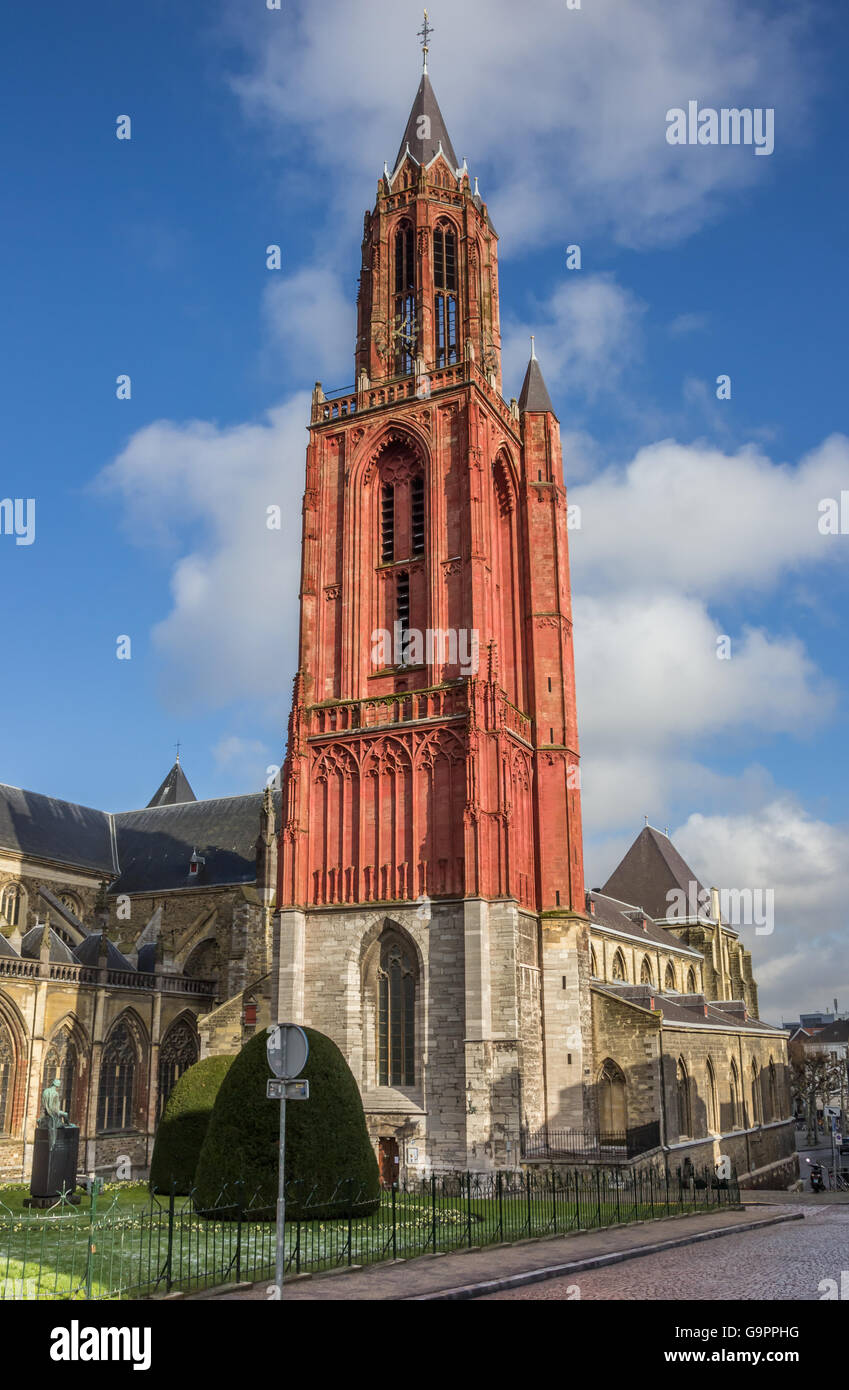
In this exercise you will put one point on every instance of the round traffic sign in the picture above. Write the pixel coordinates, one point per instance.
(287, 1050)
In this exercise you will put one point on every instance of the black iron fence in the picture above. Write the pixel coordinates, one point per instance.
(113, 1249)
(609, 1146)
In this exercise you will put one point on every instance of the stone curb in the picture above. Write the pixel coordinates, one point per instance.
(539, 1276)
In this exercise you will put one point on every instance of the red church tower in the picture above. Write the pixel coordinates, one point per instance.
(431, 897)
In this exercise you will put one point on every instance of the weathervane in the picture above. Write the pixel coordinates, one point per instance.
(424, 34)
(178, 752)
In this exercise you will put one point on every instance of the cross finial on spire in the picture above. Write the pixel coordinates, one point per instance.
(533, 349)
(178, 750)
(424, 34)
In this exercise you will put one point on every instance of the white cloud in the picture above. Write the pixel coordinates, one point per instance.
(564, 111)
(693, 519)
(587, 331)
(312, 319)
(232, 627)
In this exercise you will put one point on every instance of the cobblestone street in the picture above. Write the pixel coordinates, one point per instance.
(780, 1262)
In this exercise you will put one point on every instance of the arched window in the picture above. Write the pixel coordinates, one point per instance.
(7, 1078)
(691, 981)
(645, 972)
(756, 1094)
(593, 963)
(617, 970)
(118, 1068)
(734, 1086)
(396, 1010)
(445, 285)
(405, 299)
(612, 1099)
(62, 1060)
(669, 977)
(178, 1052)
(685, 1116)
(712, 1115)
(773, 1091)
(11, 903)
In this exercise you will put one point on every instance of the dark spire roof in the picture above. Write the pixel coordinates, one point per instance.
(174, 790)
(535, 397)
(651, 869)
(423, 151)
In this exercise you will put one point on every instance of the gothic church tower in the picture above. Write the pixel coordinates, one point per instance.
(431, 898)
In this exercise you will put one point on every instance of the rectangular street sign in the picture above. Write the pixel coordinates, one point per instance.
(287, 1090)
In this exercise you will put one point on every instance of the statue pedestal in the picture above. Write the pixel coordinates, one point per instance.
(53, 1169)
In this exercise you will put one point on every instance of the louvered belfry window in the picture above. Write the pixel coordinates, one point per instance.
(445, 285)
(405, 299)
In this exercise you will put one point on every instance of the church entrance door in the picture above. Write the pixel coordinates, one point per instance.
(389, 1161)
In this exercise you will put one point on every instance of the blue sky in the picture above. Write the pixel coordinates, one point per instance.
(146, 256)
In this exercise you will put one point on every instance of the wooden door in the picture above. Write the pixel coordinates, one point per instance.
(389, 1162)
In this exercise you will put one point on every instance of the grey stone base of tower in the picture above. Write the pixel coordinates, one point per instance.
(501, 1031)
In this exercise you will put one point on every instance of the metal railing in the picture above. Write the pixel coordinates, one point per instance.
(114, 1249)
(609, 1146)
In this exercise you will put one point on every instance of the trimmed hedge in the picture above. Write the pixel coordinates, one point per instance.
(182, 1129)
(331, 1169)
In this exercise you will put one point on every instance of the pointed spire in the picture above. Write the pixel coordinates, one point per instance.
(174, 789)
(534, 398)
(426, 130)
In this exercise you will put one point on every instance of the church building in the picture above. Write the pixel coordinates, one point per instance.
(415, 889)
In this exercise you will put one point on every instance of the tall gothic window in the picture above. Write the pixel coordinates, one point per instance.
(685, 1117)
(710, 1100)
(691, 981)
(756, 1094)
(405, 299)
(645, 972)
(118, 1065)
(773, 1091)
(178, 1052)
(445, 284)
(11, 900)
(396, 1005)
(402, 604)
(612, 1107)
(7, 1078)
(417, 515)
(618, 969)
(734, 1086)
(669, 977)
(62, 1061)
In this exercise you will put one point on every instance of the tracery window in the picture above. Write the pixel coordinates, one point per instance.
(62, 1060)
(396, 1004)
(710, 1099)
(7, 1078)
(178, 1052)
(756, 1094)
(405, 299)
(734, 1086)
(691, 981)
(11, 901)
(116, 1098)
(617, 971)
(669, 977)
(645, 972)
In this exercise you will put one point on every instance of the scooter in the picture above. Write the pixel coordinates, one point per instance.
(817, 1177)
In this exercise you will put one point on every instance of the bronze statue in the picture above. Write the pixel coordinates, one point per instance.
(52, 1115)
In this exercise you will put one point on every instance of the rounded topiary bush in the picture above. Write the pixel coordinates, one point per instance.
(182, 1129)
(331, 1169)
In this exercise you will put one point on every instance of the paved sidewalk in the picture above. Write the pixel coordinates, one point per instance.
(463, 1274)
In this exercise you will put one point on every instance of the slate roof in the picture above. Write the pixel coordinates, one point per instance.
(6, 949)
(43, 827)
(676, 1009)
(609, 912)
(423, 151)
(174, 789)
(534, 397)
(650, 870)
(87, 953)
(59, 952)
(156, 844)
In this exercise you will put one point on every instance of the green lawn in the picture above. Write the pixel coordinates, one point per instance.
(46, 1255)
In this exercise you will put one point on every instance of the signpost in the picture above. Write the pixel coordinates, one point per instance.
(287, 1050)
